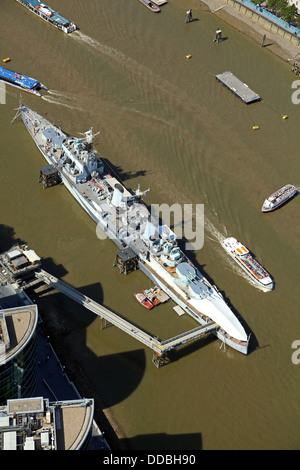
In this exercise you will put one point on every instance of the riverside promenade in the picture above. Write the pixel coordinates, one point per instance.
(255, 22)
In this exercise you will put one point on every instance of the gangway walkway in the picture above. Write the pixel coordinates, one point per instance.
(159, 347)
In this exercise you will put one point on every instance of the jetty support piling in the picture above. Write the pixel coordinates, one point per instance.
(188, 16)
(160, 360)
(126, 260)
(49, 176)
(218, 36)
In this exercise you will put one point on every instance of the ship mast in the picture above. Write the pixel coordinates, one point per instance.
(89, 137)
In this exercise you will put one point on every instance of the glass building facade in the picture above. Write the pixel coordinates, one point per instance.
(19, 373)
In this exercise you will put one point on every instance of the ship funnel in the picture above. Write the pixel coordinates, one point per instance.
(117, 195)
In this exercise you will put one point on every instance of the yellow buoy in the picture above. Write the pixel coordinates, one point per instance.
(188, 56)
(6, 60)
(284, 117)
(255, 128)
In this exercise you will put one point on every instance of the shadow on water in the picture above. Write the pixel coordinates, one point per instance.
(7, 238)
(193, 20)
(166, 442)
(225, 38)
(186, 349)
(124, 175)
(65, 323)
(119, 374)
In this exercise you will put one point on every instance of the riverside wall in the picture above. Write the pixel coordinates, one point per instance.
(267, 20)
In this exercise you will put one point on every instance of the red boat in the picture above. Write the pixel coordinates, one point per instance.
(150, 294)
(142, 299)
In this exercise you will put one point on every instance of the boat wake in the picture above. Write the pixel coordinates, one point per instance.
(216, 234)
(102, 48)
(139, 71)
(59, 100)
(57, 93)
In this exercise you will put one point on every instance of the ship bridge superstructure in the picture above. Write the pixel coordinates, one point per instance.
(74, 155)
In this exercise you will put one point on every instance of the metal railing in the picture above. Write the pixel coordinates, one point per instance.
(270, 16)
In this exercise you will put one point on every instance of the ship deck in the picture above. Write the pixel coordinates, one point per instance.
(56, 17)
(253, 266)
(18, 79)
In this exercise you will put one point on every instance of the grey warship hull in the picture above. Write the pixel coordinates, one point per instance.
(109, 203)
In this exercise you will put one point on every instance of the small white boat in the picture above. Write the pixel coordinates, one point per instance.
(251, 266)
(279, 198)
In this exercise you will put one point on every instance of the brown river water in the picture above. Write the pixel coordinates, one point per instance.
(168, 125)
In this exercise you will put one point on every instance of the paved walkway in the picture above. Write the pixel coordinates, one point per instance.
(52, 382)
(281, 46)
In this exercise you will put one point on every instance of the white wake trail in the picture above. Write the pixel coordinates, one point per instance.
(60, 103)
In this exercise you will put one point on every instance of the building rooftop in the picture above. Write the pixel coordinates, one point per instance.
(36, 424)
(71, 413)
(19, 262)
(17, 325)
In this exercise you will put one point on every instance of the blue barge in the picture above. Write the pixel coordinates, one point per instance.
(22, 82)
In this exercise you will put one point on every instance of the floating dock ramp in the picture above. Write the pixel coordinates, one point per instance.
(237, 87)
(160, 348)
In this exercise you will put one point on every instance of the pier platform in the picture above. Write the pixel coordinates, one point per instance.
(237, 87)
(160, 348)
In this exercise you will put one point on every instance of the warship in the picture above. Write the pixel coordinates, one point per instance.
(122, 216)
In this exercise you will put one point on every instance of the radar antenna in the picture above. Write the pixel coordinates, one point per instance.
(89, 136)
(18, 113)
(140, 193)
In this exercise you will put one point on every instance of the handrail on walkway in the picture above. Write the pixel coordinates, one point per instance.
(269, 16)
